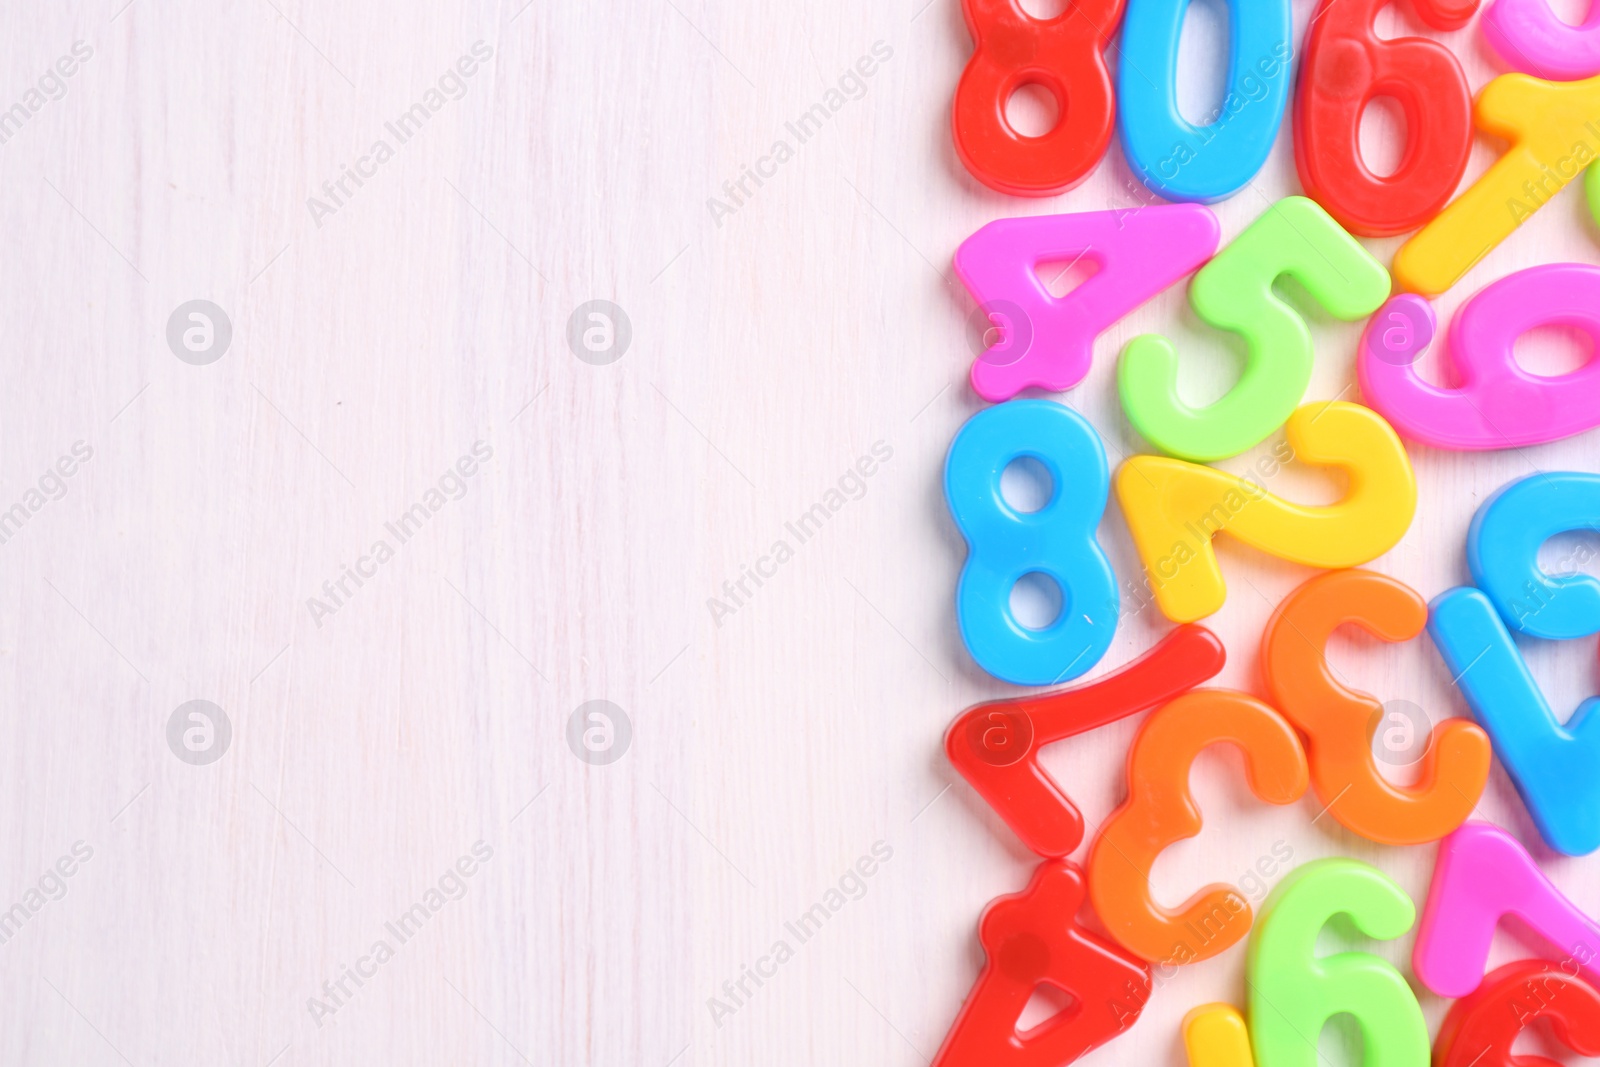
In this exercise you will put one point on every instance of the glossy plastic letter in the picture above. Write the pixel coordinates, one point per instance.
(1294, 991)
(1063, 56)
(1503, 553)
(1058, 541)
(1160, 810)
(1171, 155)
(996, 745)
(1175, 508)
(1031, 939)
(1339, 722)
(1234, 292)
(1047, 341)
(1344, 67)
(1497, 404)
(1482, 875)
(1555, 767)
(1549, 127)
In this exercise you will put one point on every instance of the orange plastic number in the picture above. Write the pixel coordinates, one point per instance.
(1160, 811)
(1339, 722)
(1175, 508)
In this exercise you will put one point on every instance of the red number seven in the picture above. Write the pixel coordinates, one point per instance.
(996, 746)
(1031, 939)
(1063, 56)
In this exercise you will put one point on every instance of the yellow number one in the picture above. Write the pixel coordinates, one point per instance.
(1554, 130)
(1214, 1035)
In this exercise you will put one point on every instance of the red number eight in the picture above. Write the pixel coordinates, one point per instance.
(1346, 65)
(1063, 56)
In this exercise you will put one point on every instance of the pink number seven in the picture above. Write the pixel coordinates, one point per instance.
(1483, 875)
(1045, 341)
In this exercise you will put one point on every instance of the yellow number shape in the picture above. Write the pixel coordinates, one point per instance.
(1175, 508)
(1214, 1035)
(1554, 134)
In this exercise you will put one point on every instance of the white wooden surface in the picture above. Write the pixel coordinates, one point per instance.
(771, 348)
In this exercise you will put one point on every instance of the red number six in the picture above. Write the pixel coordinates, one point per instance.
(1061, 55)
(1346, 65)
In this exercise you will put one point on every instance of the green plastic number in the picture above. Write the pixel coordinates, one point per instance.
(1293, 992)
(1591, 190)
(1234, 292)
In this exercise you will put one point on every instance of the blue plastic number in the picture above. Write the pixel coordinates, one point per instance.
(1174, 157)
(1556, 768)
(1058, 541)
(1503, 547)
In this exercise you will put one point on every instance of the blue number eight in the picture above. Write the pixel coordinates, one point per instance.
(1058, 540)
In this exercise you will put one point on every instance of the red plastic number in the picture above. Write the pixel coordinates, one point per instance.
(1346, 65)
(1031, 939)
(1481, 1027)
(1060, 55)
(996, 746)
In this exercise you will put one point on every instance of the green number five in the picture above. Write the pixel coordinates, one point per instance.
(1294, 992)
(1233, 292)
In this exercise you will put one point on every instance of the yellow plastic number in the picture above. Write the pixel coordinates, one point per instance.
(1174, 508)
(1214, 1035)
(1554, 130)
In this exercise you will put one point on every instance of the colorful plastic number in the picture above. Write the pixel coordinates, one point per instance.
(1294, 991)
(1214, 1035)
(1481, 876)
(1160, 810)
(1058, 541)
(1046, 341)
(1503, 549)
(996, 746)
(1548, 125)
(1530, 38)
(1338, 722)
(1063, 56)
(1555, 767)
(1234, 292)
(1497, 404)
(1171, 155)
(1591, 190)
(1344, 67)
(1480, 1029)
(1175, 508)
(1031, 939)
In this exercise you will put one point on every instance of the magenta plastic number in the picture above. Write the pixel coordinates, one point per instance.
(1497, 404)
(1045, 341)
(1482, 875)
(1530, 37)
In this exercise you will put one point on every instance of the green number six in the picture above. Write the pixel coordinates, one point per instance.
(1294, 992)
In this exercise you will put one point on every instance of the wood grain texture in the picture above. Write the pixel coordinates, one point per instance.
(372, 348)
